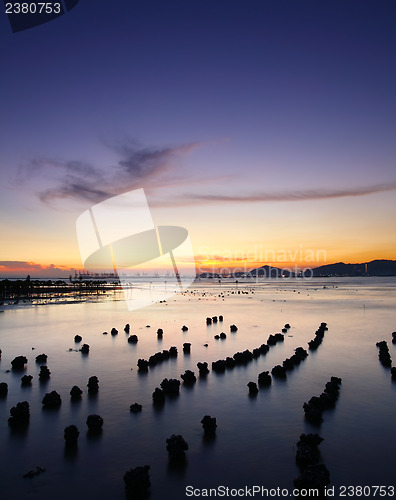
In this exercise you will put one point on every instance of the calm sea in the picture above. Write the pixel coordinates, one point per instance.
(256, 437)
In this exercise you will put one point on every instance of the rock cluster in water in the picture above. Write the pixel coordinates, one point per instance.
(170, 386)
(214, 319)
(94, 423)
(41, 358)
(137, 482)
(209, 425)
(75, 392)
(307, 450)
(319, 334)
(127, 328)
(85, 348)
(176, 447)
(19, 363)
(26, 380)
(158, 397)
(317, 404)
(71, 434)
(51, 400)
(20, 415)
(264, 379)
(93, 384)
(278, 371)
(3, 389)
(143, 365)
(244, 357)
(158, 357)
(239, 358)
(253, 389)
(203, 368)
(313, 475)
(77, 338)
(299, 355)
(135, 408)
(288, 364)
(188, 377)
(133, 339)
(274, 339)
(219, 366)
(384, 355)
(222, 336)
(44, 373)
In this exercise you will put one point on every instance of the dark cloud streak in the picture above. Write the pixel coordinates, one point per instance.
(82, 181)
(150, 162)
(309, 195)
(153, 168)
(74, 190)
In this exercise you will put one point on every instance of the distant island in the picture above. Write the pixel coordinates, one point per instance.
(372, 268)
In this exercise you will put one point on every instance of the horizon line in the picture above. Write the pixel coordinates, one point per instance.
(203, 270)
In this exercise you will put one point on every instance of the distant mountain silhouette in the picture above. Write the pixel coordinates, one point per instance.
(273, 272)
(373, 268)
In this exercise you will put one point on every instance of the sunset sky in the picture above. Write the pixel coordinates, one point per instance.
(265, 128)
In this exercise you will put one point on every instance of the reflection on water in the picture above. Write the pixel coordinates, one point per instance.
(256, 437)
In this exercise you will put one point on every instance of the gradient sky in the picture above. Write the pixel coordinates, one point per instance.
(264, 127)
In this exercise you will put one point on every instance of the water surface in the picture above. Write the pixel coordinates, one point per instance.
(256, 437)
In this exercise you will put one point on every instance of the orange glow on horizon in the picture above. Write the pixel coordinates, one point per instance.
(204, 263)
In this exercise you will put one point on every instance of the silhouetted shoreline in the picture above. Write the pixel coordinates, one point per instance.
(28, 289)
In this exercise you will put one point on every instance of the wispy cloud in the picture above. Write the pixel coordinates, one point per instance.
(137, 166)
(147, 163)
(300, 195)
(74, 188)
(159, 167)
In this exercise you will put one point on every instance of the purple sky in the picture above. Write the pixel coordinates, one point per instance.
(265, 118)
